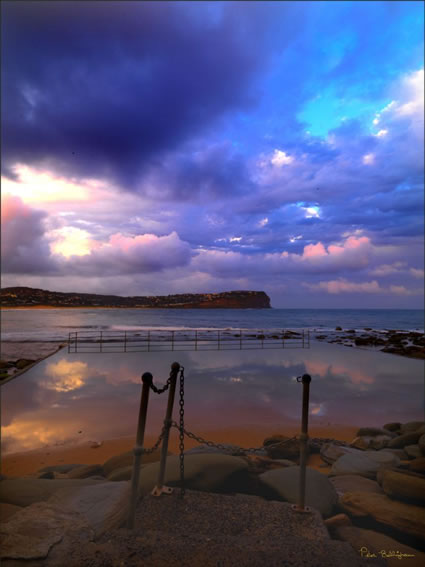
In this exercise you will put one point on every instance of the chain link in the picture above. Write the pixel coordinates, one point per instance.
(181, 432)
(160, 390)
(234, 449)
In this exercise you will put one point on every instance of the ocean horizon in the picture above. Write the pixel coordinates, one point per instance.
(54, 324)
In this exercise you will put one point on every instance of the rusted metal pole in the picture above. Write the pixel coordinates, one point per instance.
(300, 507)
(138, 449)
(160, 488)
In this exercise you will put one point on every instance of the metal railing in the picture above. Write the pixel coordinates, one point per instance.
(139, 450)
(154, 340)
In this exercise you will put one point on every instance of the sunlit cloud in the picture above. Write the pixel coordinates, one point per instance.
(280, 158)
(71, 241)
(369, 159)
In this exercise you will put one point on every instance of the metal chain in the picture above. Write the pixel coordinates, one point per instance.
(233, 448)
(181, 435)
(164, 388)
(157, 443)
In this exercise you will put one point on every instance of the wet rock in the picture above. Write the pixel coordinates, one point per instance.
(282, 447)
(403, 440)
(385, 512)
(354, 483)
(400, 453)
(228, 450)
(23, 363)
(338, 328)
(374, 431)
(337, 521)
(421, 444)
(367, 442)
(413, 451)
(331, 452)
(320, 493)
(47, 475)
(367, 463)
(85, 471)
(126, 459)
(124, 473)
(381, 545)
(214, 473)
(403, 487)
(394, 426)
(417, 465)
(411, 426)
(63, 469)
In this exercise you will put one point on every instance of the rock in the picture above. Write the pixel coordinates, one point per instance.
(365, 464)
(411, 426)
(5, 364)
(7, 511)
(86, 471)
(47, 475)
(338, 328)
(381, 545)
(282, 447)
(400, 453)
(385, 512)
(337, 521)
(205, 472)
(124, 473)
(373, 432)
(320, 493)
(103, 506)
(31, 533)
(258, 464)
(393, 426)
(23, 363)
(96, 444)
(331, 452)
(228, 450)
(371, 442)
(354, 483)
(417, 465)
(126, 459)
(402, 440)
(413, 451)
(403, 487)
(421, 444)
(26, 491)
(59, 468)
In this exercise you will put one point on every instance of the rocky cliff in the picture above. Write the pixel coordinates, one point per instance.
(30, 297)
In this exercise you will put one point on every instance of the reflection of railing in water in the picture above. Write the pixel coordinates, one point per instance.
(153, 340)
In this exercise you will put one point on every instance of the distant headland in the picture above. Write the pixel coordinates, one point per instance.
(30, 297)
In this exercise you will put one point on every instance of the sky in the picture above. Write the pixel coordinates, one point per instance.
(153, 148)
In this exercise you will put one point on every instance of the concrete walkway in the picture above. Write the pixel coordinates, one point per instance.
(208, 530)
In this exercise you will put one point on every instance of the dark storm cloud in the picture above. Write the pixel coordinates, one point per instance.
(99, 88)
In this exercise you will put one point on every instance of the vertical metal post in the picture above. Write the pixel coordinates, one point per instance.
(300, 507)
(160, 488)
(138, 449)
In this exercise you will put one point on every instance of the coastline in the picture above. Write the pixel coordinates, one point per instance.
(29, 462)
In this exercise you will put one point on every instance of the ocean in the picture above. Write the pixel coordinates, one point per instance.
(73, 397)
(55, 324)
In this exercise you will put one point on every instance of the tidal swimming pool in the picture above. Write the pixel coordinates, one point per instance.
(69, 397)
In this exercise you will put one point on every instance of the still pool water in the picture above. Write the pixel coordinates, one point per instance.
(72, 397)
